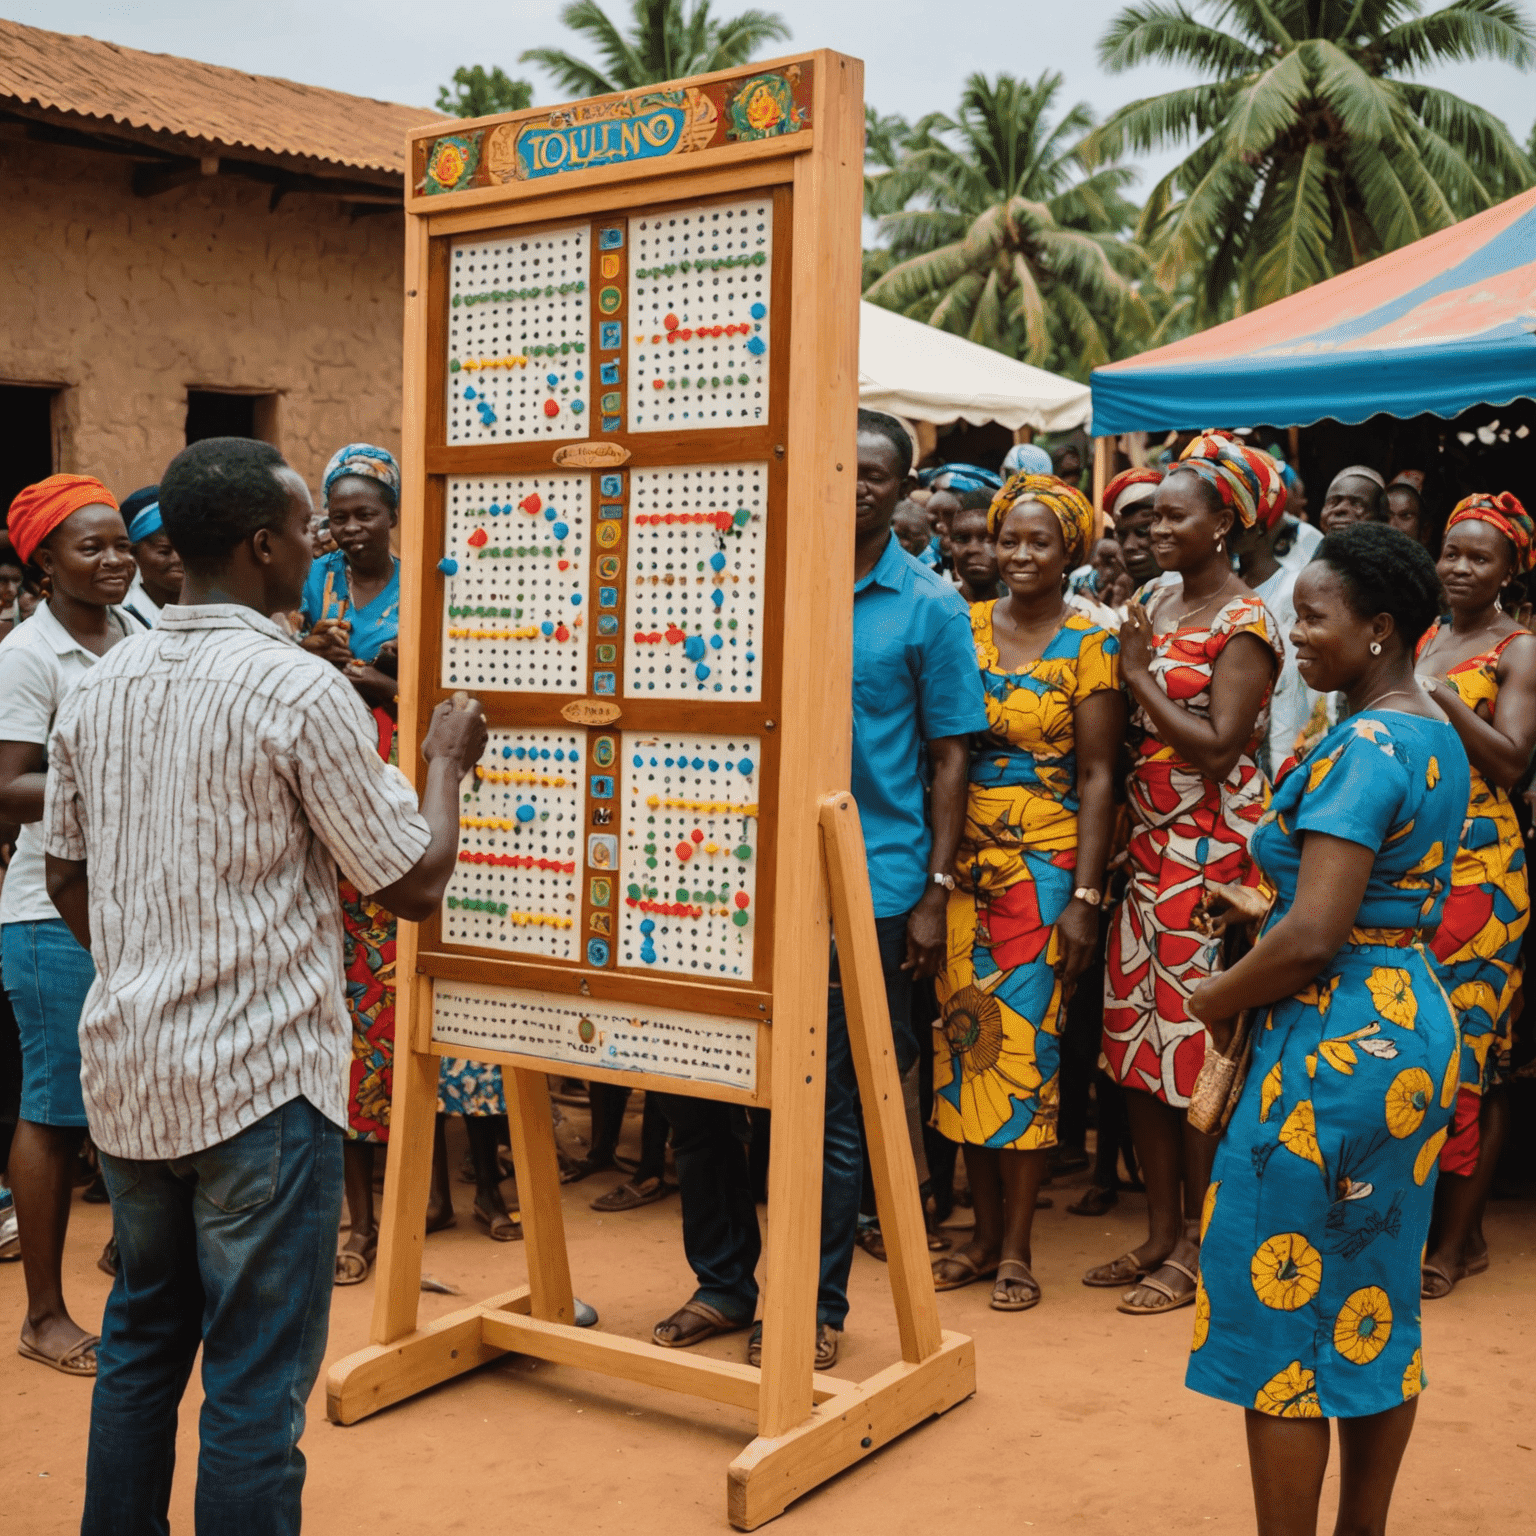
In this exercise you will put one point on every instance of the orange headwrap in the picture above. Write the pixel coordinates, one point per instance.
(1505, 513)
(39, 509)
(1125, 480)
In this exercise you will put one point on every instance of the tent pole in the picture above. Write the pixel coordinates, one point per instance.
(1101, 452)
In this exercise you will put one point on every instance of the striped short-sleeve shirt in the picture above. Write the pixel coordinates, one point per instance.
(214, 777)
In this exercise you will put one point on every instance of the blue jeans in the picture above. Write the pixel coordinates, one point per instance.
(232, 1249)
(720, 1230)
(47, 975)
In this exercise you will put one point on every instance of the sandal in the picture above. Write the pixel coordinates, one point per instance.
(1003, 1299)
(1431, 1278)
(107, 1261)
(631, 1196)
(78, 1360)
(970, 1272)
(583, 1168)
(1126, 1270)
(691, 1324)
(352, 1265)
(1095, 1202)
(1173, 1299)
(1476, 1266)
(504, 1228)
(828, 1339)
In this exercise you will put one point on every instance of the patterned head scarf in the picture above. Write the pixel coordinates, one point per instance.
(365, 460)
(1129, 480)
(959, 478)
(1066, 501)
(1247, 479)
(1506, 514)
(39, 509)
(1029, 457)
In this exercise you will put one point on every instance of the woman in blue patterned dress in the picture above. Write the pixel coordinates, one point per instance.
(1319, 1203)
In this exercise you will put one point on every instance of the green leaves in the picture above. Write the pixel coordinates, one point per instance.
(478, 92)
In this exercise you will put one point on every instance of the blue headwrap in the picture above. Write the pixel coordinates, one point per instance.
(145, 523)
(1030, 458)
(961, 478)
(365, 460)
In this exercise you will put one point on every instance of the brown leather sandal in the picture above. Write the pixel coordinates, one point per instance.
(706, 1321)
(1172, 1299)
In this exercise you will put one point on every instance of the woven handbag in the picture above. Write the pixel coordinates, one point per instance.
(1220, 1083)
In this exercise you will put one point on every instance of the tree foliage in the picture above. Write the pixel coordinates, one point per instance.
(478, 92)
(665, 41)
(1000, 227)
(1312, 148)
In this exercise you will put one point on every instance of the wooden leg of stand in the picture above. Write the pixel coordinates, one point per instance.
(538, 1191)
(407, 1174)
(874, 1059)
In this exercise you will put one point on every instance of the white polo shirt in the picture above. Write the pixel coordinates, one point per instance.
(40, 662)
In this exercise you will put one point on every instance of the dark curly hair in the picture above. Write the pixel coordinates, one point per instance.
(216, 493)
(1385, 571)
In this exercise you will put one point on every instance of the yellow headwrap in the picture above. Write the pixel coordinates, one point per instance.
(1066, 501)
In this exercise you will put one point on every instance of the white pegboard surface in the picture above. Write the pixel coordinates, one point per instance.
(700, 286)
(517, 883)
(519, 313)
(694, 600)
(516, 621)
(663, 1041)
(693, 913)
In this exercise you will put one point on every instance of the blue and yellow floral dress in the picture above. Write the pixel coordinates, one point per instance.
(995, 1068)
(1319, 1203)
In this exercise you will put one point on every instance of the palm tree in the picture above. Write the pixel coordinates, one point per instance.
(1013, 240)
(664, 43)
(479, 92)
(1313, 152)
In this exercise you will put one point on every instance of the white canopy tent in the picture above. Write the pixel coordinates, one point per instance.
(921, 373)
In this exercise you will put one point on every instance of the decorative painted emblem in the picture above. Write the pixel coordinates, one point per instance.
(764, 108)
(590, 712)
(591, 455)
(452, 162)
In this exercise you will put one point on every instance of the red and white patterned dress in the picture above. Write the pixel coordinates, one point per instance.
(1186, 830)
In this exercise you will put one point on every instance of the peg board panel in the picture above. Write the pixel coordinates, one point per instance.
(697, 574)
(699, 311)
(515, 601)
(519, 319)
(517, 884)
(577, 1032)
(688, 867)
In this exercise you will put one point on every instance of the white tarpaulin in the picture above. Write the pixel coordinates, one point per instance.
(924, 374)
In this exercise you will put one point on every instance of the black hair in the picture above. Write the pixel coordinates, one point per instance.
(216, 493)
(975, 501)
(386, 492)
(1408, 490)
(1385, 571)
(878, 424)
(135, 502)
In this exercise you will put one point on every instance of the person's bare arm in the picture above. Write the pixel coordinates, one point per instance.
(68, 891)
(1242, 673)
(22, 782)
(1500, 752)
(950, 760)
(454, 742)
(1098, 729)
(1329, 889)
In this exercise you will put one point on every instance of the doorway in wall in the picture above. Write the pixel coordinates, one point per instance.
(26, 438)
(227, 413)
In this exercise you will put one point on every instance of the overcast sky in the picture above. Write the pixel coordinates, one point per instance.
(916, 52)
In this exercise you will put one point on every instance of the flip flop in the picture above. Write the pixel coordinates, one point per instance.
(973, 1272)
(713, 1321)
(1428, 1270)
(631, 1196)
(73, 1362)
(504, 1229)
(1173, 1300)
(1002, 1300)
(828, 1339)
(1095, 1202)
(1476, 1266)
(1126, 1270)
(352, 1267)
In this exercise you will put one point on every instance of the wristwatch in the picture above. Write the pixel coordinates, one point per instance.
(947, 881)
(1086, 894)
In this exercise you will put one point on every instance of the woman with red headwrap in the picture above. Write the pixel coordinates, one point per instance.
(1481, 670)
(68, 527)
(1199, 661)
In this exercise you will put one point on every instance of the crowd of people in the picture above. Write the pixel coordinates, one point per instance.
(1186, 817)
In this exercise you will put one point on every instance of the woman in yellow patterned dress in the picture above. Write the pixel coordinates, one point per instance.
(1481, 669)
(1024, 917)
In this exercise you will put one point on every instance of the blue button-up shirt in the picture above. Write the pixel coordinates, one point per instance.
(915, 678)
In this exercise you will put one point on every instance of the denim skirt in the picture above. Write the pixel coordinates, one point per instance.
(47, 975)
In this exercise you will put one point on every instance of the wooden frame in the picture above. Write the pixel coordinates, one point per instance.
(811, 875)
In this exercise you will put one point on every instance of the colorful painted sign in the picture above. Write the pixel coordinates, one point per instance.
(642, 125)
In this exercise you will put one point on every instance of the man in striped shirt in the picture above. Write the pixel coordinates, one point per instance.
(202, 795)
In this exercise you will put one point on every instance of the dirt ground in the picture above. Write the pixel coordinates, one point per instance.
(1080, 1423)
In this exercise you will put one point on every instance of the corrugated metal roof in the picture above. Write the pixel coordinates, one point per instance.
(165, 94)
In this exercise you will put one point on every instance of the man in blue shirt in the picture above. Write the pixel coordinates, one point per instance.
(917, 696)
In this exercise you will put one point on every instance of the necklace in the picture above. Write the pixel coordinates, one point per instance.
(1376, 702)
(1184, 618)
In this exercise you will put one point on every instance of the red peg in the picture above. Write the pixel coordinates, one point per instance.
(564, 565)
(478, 539)
(562, 633)
(670, 322)
(743, 900)
(531, 503)
(696, 835)
(551, 407)
(685, 851)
